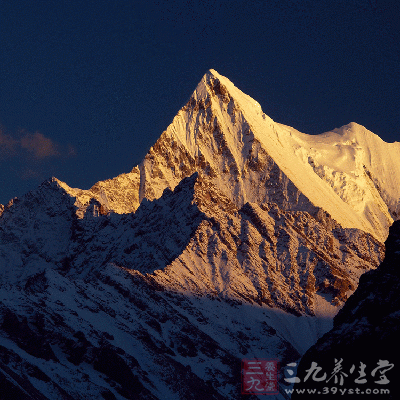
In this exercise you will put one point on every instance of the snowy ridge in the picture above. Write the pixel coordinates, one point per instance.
(350, 172)
(117, 305)
(361, 168)
(235, 237)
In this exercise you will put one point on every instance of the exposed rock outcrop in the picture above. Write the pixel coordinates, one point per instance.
(365, 333)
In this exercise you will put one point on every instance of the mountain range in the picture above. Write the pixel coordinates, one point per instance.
(236, 237)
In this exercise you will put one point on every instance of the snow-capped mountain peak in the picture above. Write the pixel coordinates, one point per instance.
(233, 233)
(225, 132)
(349, 172)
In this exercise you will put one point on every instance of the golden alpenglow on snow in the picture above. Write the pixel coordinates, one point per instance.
(235, 238)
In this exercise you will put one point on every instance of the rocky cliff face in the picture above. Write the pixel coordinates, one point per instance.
(116, 305)
(226, 242)
(366, 332)
(350, 173)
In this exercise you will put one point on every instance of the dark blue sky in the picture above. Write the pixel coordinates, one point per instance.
(87, 87)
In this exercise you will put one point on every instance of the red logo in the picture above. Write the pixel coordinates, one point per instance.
(259, 376)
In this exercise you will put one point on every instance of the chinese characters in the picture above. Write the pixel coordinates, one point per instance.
(259, 376)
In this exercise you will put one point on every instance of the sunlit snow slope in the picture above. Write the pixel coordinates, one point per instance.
(350, 172)
(235, 237)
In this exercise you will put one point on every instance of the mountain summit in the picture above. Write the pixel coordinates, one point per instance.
(349, 172)
(236, 237)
